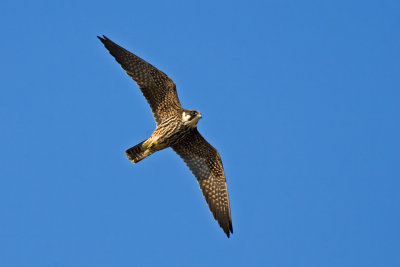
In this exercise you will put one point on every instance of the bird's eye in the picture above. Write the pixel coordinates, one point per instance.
(193, 113)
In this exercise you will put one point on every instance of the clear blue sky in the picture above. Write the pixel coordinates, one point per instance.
(301, 98)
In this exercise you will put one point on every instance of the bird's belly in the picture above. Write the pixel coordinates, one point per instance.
(163, 138)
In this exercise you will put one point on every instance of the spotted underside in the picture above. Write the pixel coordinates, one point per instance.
(202, 159)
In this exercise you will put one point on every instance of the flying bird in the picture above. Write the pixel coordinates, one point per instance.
(176, 128)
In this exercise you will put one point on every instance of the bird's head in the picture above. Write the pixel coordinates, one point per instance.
(190, 117)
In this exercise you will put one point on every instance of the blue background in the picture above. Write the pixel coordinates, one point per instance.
(301, 98)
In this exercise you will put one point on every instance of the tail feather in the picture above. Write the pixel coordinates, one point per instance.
(137, 153)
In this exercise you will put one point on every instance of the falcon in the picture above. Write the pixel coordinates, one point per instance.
(176, 128)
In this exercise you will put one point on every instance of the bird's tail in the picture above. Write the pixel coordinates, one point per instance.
(138, 152)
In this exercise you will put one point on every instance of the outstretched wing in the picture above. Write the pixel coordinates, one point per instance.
(205, 163)
(158, 89)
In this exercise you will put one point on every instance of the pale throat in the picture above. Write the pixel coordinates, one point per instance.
(191, 123)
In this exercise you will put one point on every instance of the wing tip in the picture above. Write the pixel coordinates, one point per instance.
(228, 230)
(103, 39)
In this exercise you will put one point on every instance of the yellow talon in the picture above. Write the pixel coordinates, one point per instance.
(150, 145)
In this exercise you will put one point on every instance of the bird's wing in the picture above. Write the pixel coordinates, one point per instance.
(205, 163)
(158, 89)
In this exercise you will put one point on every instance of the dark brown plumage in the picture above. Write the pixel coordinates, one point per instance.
(176, 128)
(205, 163)
(158, 89)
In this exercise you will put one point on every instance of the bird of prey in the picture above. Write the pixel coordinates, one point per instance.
(176, 128)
